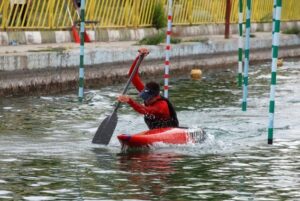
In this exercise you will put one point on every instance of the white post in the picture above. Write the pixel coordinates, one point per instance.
(168, 49)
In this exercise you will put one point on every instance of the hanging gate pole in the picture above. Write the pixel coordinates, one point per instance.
(81, 66)
(240, 50)
(274, 15)
(247, 53)
(168, 48)
(275, 45)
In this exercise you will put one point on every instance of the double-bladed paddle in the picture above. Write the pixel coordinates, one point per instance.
(108, 125)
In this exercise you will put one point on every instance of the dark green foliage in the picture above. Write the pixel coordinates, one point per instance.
(157, 39)
(175, 40)
(294, 30)
(159, 19)
(198, 40)
(152, 40)
(251, 35)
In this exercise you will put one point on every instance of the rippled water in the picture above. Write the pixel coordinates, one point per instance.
(46, 151)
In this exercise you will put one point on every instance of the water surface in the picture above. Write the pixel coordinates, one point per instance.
(46, 151)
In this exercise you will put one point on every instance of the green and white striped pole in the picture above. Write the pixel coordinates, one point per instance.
(81, 65)
(240, 50)
(275, 44)
(273, 23)
(274, 13)
(247, 53)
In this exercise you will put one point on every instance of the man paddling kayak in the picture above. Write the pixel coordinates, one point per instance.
(158, 111)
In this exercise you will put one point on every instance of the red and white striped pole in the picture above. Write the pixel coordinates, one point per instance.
(168, 49)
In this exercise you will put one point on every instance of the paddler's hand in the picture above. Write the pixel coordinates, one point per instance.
(144, 51)
(123, 98)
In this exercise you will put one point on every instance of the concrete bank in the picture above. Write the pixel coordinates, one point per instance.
(32, 69)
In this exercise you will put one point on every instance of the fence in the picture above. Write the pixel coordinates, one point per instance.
(53, 14)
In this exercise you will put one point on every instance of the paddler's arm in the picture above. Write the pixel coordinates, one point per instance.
(136, 80)
(160, 111)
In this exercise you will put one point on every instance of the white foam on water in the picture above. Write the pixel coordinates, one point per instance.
(40, 184)
(2, 192)
(209, 146)
(47, 98)
(38, 198)
(58, 191)
(9, 160)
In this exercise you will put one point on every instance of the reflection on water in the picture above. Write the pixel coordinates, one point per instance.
(46, 151)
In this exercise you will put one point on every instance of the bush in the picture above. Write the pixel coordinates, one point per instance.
(251, 35)
(159, 19)
(152, 40)
(294, 30)
(198, 40)
(157, 39)
(175, 40)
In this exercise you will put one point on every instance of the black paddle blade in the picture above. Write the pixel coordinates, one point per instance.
(106, 130)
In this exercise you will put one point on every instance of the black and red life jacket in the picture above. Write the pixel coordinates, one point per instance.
(153, 121)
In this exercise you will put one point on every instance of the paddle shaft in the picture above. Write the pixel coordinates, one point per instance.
(141, 57)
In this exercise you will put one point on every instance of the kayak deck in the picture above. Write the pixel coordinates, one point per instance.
(163, 135)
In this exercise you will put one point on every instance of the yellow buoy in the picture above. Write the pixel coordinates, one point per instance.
(279, 62)
(196, 74)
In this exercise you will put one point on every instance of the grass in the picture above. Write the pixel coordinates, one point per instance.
(293, 30)
(197, 40)
(53, 49)
(175, 40)
(152, 40)
(251, 35)
(157, 39)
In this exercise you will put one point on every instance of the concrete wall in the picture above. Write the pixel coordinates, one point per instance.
(95, 56)
(55, 71)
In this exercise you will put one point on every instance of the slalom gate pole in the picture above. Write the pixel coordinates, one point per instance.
(247, 53)
(273, 23)
(274, 13)
(81, 65)
(240, 50)
(275, 45)
(168, 49)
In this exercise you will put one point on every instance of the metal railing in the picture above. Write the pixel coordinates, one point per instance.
(53, 14)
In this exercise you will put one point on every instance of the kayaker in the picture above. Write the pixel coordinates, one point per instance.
(158, 111)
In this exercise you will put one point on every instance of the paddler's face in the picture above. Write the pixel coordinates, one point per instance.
(146, 94)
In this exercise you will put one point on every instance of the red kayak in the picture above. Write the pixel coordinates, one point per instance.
(164, 135)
